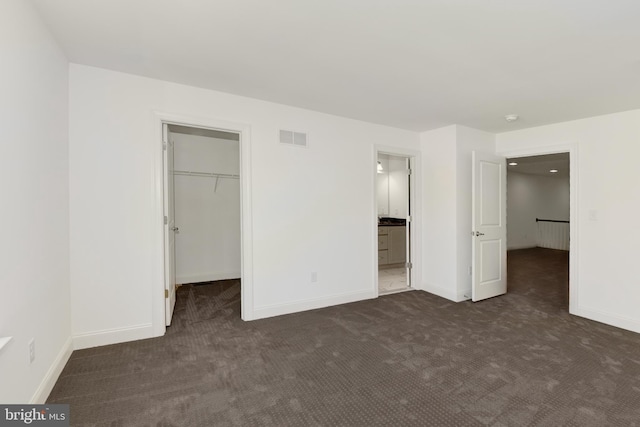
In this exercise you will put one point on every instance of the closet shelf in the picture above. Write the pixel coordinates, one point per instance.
(206, 174)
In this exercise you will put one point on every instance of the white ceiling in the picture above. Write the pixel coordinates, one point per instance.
(413, 64)
(541, 165)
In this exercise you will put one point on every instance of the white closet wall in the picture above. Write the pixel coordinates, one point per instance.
(208, 216)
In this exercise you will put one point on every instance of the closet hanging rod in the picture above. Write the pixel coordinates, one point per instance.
(206, 174)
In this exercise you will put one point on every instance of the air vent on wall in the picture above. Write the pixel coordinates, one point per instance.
(293, 138)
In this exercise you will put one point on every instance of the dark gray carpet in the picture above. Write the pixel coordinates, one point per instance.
(400, 360)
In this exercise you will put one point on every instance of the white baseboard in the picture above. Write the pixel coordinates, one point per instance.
(442, 292)
(310, 304)
(632, 325)
(183, 280)
(53, 373)
(464, 295)
(516, 247)
(112, 336)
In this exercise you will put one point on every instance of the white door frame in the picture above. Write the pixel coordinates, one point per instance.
(246, 232)
(415, 194)
(572, 149)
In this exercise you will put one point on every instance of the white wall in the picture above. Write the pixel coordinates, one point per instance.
(438, 211)
(530, 197)
(446, 240)
(313, 208)
(34, 255)
(208, 215)
(607, 208)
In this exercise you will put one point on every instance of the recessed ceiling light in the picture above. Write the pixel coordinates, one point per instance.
(554, 171)
(511, 117)
(513, 163)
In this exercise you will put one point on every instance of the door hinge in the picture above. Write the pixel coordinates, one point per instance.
(166, 220)
(164, 146)
(409, 172)
(166, 293)
(408, 219)
(408, 265)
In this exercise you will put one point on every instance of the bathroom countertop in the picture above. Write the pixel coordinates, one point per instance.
(391, 222)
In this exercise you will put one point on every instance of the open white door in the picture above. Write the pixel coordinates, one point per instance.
(170, 228)
(489, 253)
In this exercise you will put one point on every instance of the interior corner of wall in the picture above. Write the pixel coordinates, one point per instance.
(464, 295)
(439, 291)
(53, 373)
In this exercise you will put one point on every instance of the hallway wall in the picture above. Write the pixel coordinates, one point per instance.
(530, 197)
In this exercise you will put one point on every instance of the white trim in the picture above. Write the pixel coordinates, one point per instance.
(609, 319)
(211, 277)
(4, 341)
(446, 293)
(311, 304)
(572, 149)
(415, 196)
(53, 373)
(518, 247)
(112, 336)
(464, 295)
(246, 228)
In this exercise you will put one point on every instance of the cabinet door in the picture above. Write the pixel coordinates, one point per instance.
(383, 242)
(397, 245)
(383, 257)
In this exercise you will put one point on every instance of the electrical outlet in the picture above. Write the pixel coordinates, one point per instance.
(314, 277)
(32, 350)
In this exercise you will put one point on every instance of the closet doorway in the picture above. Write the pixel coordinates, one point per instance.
(202, 210)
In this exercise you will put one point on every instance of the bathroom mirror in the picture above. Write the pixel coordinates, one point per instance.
(392, 186)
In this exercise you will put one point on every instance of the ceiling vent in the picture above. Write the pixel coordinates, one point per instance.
(293, 138)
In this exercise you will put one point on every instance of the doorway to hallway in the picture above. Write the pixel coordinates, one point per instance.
(538, 226)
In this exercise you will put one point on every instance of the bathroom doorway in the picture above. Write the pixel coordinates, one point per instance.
(393, 200)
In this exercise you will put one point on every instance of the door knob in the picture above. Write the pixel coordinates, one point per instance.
(479, 234)
(175, 229)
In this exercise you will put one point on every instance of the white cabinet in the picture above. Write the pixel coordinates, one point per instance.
(383, 245)
(392, 248)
